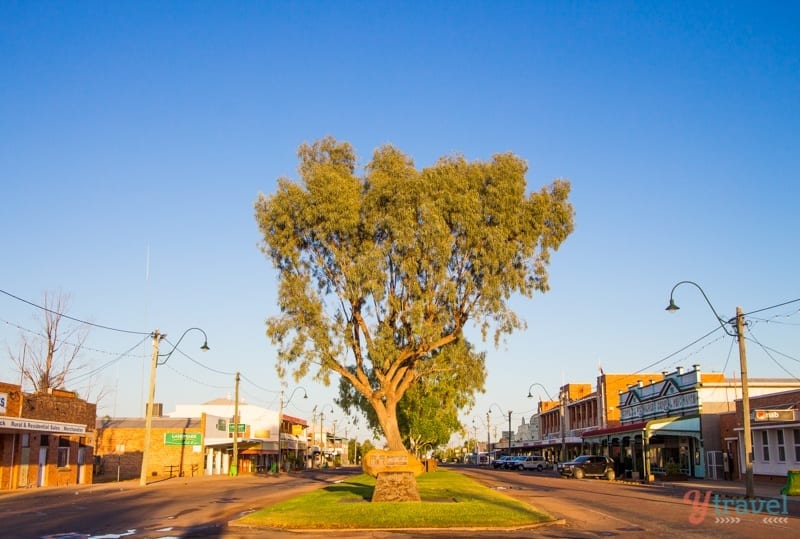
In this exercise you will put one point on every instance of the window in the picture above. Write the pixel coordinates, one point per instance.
(781, 447)
(796, 433)
(63, 457)
(63, 453)
(764, 446)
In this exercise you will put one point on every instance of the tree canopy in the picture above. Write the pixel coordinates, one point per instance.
(379, 274)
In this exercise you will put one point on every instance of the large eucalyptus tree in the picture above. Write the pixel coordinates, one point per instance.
(380, 273)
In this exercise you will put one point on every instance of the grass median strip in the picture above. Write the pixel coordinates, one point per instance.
(449, 500)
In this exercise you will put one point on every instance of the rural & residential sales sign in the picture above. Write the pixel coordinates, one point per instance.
(41, 426)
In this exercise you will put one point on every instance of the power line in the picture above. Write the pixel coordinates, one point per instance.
(72, 318)
(190, 358)
(94, 371)
(773, 359)
(173, 369)
(82, 347)
(258, 386)
(772, 307)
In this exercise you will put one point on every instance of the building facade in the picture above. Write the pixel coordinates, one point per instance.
(669, 427)
(580, 408)
(775, 432)
(176, 448)
(203, 439)
(46, 438)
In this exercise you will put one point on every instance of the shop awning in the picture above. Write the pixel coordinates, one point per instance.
(619, 431)
(686, 426)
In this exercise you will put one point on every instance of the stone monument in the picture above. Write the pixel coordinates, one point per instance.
(395, 472)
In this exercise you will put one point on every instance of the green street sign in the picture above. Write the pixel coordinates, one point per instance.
(241, 427)
(183, 438)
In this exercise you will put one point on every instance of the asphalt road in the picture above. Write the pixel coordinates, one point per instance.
(205, 507)
(178, 507)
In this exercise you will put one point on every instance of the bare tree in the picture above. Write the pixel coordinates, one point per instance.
(48, 357)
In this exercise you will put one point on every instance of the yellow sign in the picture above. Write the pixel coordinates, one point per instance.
(381, 460)
(297, 430)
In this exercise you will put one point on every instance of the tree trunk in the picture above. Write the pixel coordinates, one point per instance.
(387, 418)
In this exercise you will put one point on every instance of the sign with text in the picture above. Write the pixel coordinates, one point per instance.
(240, 427)
(183, 438)
(3, 401)
(42, 426)
(773, 415)
(378, 461)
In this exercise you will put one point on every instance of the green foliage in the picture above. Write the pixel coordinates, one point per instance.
(428, 412)
(378, 275)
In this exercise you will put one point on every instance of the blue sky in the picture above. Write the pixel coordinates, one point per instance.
(135, 138)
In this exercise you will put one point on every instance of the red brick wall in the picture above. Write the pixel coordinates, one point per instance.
(181, 459)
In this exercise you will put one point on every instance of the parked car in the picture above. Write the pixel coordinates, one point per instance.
(500, 462)
(588, 466)
(533, 462)
(513, 462)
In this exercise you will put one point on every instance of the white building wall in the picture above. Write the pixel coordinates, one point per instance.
(262, 422)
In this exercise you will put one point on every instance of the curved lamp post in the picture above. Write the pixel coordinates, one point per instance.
(157, 336)
(280, 419)
(424, 445)
(739, 334)
(509, 423)
(561, 418)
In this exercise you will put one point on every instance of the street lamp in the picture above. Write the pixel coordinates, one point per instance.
(280, 419)
(321, 423)
(738, 323)
(157, 336)
(561, 421)
(509, 424)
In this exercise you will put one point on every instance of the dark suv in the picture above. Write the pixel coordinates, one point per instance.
(500, 462)
(588, 466)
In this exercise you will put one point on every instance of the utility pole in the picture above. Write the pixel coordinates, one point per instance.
(234, 468)
(313, 433)
(748, 441)
(739, 334)
(334, 442)
(321, 452)
(148, 422)
(509, 432)
(563, 420)
(488, 434)
(280, 424)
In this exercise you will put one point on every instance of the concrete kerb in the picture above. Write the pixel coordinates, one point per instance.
(330, 531)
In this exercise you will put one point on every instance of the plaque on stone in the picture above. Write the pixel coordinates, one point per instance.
(395, 473)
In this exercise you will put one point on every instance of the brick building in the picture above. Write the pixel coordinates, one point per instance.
(46, 438)
(197, 439)
(176, 447)
(670, 425)
(582, 408)
(775, 429)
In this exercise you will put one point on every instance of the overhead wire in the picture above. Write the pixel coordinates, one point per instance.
(86, 375)
(190, 358)
(196, 381)
(784, 369)
(63, 315)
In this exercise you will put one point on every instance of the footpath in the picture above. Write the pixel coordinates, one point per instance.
(734, 490)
